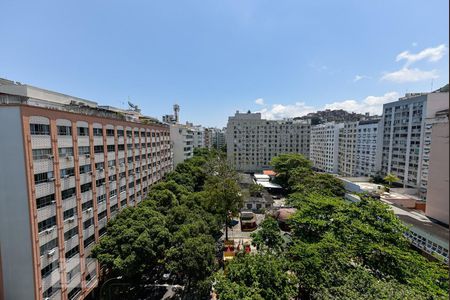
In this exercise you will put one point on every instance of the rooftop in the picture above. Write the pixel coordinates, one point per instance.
(16, 93)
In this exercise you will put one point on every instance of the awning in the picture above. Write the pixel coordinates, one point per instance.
(268, 184)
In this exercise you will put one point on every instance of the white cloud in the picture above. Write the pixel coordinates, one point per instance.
(359, 77)
(409, 75)
(371, 104)
(280, 111)
(430, 54)
(259, 101)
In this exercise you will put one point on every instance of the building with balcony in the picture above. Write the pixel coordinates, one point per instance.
(252, 141)
(403, 135)
(182, 140)
(68, 166)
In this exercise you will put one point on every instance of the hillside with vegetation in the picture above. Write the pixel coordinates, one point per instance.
(336, 115)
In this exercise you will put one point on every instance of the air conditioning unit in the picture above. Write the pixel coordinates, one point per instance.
(66, 176)
(104, 183)
(90, 172)
(69, 157)
(50, 156)
(89, 210)
(51, 179)
(49, 230)
(71, 219)
(87, 155)
(51, 252)
(53, 202)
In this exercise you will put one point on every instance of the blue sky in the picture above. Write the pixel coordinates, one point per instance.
(284, 58)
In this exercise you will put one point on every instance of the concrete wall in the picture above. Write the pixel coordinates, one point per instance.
(438, 177)
(15, 231)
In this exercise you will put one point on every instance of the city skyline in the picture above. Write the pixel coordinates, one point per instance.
(212, 59)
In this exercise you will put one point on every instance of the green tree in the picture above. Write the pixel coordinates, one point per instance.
(135, 243)
(284, 164)
(390, 179)
(255, 190)
(268, 236)
(260, 276)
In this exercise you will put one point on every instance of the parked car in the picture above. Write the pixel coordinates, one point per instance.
(248, 221)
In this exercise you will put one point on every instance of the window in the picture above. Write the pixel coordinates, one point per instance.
(89, 241)
(86, 187)
(64, 130)
(68, 193)
(99, 182)
(85, 169)
(70, 233)
(49, 269)
(111, 163)
(114, 207)
(46, 224)
(67, 172)
(111, 148)
(112, 193)
(121, 147)
(51, 290)
(49, 246)
(82, 131)
(88, 223)
(42, 177)
(83, 150)
(74, 292)
(98, 132)
(86, 205)
(45, 201)
(72, 252)
(102, 215)
(101, 198)
(119, 132)
(109, 132)
(99, 166)
(98, 149)
(41, 153)
(69, 213)
(39, 129)
(65, 151)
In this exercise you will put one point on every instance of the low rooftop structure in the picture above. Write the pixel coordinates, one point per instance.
(360, 185)
(261, 177)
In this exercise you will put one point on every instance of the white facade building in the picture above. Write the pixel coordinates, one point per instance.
(253, 141)
(404, 134)
(324, 146)
(182, 139)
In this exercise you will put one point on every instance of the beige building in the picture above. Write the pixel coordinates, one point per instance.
(252, 141)
(324, 146)
(68, 166)
(437, 206)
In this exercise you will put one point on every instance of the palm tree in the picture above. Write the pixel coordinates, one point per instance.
(391, 178)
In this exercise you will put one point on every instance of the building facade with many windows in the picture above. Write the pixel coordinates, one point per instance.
(252, 141)
(324, 146)
(404, 134)
(68, 167)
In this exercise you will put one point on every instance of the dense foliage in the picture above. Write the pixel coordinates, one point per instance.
(336, 249)
(174, 230)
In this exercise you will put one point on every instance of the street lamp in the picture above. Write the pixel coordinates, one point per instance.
(105, 283)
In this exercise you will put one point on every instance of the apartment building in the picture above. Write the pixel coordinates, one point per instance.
(218, 138)
(347, 149)
(253, 141)
(359, 143)
(324, 146)
(368, 145)
(404, 132)
(68, 166)
(182, 140)
(435, 167)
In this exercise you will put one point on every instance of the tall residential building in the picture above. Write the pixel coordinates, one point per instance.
(252, 141)
(359, 143)
(218, 138)
(368, 146)
(68, 166)
(435, 167)
(403, 134)
(347, 149)
(182, 139)
(324, 146)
